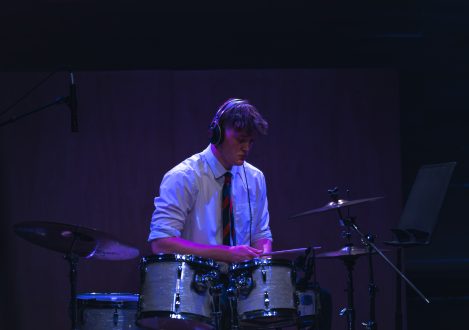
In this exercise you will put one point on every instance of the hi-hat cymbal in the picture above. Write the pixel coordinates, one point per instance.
(336, 205)
(77, 240)
(345, 252)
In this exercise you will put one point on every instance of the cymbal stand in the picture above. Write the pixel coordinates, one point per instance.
(371, 323)
(72, 259)
(349, 311)
(349, 262)
(310, 272)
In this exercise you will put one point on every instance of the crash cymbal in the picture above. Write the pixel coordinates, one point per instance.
(345, 252)
(336, 205)
(71, 239)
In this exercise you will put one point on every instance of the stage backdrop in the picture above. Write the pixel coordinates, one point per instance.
(328, 128)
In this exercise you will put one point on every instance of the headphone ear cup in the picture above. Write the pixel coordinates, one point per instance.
(216, 134)
(221, 134)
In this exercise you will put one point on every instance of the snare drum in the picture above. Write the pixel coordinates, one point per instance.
(175, 292)
(266, 295)
(107, 311)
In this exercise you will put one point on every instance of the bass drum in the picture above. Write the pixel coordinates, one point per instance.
(107, 311)
(175, 292)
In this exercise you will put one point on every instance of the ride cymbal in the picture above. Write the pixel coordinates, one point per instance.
(335, 205)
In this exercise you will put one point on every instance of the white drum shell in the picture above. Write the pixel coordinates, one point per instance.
(272, 281)
(170, 297)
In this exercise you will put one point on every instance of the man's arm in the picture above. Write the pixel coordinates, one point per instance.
(264, 244)
(217, 252)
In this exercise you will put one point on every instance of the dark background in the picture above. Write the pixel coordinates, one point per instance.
(359, 94)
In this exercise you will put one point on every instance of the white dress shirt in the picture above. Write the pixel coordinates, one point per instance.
(189, 204)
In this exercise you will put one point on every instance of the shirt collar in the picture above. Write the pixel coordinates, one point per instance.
(217, 168)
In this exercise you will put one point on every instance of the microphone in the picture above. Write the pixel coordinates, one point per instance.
(72, 103)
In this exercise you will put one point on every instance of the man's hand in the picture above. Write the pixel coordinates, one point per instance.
(241, 253)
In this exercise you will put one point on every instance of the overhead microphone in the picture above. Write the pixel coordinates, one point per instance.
(72, 103)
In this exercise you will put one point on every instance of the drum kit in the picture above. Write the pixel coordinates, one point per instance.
(189, 292)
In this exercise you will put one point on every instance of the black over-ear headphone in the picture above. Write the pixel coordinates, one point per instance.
(216, 132)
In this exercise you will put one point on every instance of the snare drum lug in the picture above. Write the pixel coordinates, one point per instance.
(264, 274)
(199, 283)
(180, 271)
(245, 284)
(266, 299)
(177, 302)
(115, 317)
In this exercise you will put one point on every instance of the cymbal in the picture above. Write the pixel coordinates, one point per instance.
(80, 241)
(336, 205)
(345, 252)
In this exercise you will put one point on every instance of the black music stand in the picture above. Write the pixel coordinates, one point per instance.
(420, 216)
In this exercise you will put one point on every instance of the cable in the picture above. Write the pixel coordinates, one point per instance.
(249, 202)
(5, 111)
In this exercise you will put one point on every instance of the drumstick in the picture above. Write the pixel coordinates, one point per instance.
(287, 251)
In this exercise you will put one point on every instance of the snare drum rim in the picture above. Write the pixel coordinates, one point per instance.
(93, 301)
(254, 263)
(188, 258)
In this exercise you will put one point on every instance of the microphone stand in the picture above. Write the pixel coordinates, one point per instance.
(60, 100)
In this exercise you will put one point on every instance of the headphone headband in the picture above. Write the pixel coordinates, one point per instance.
(225, 106)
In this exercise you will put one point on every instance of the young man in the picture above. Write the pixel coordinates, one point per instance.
(214, 204)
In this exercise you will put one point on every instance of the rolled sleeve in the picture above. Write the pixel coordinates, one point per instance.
(177, 196)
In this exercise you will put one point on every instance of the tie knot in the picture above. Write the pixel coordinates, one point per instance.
(228, 176)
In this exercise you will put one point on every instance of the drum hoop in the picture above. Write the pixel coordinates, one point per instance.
(254, 263)
(95, 302)
(171, 315)
(289, 313)
(188, 258)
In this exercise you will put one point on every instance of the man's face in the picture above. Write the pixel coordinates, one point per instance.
(235, 147)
